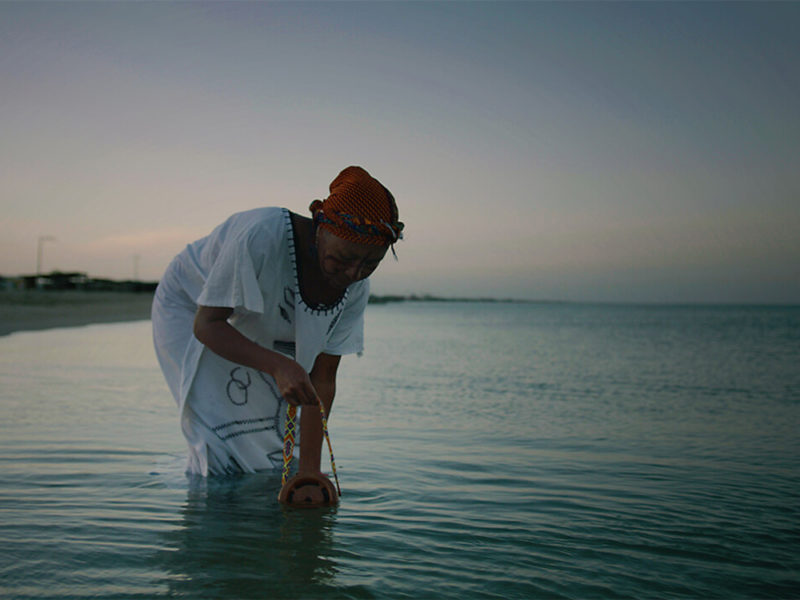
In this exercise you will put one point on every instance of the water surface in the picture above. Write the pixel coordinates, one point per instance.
(484, 450)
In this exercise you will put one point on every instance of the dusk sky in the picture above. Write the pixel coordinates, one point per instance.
(591, 152)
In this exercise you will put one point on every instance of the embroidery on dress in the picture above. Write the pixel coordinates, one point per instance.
(334, 321)
(287, 348)
(237, 388)
(286, 307)
(256, 424)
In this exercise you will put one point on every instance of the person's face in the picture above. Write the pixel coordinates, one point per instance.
(344, 262)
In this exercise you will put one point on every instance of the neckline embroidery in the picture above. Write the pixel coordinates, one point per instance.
(314, 309)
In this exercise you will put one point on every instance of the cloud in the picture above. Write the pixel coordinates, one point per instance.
(144, 239)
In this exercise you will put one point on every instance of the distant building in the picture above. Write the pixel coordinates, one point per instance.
(55, 281)
(7, 284)
(73, 281)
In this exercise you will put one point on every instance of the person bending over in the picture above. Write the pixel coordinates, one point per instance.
(258, 314)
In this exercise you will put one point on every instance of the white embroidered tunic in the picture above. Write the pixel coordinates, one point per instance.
(233, 416)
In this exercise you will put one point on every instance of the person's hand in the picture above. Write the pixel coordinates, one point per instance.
(294, 384)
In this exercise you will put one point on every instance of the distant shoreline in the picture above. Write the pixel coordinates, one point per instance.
(373, 299)
(33, 310)
(36, 310)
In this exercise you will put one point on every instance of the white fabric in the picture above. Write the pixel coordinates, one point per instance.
(233, 416)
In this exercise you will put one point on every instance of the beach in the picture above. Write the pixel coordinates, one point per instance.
(32, 310)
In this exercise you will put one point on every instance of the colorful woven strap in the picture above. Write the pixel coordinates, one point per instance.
(288, 443)
(330, 448)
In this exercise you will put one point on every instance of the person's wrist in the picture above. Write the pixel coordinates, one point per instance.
(308, 465)
(275, 362)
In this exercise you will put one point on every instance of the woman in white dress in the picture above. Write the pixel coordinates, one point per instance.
(258, 314)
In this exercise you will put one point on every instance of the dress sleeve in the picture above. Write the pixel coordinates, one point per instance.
(348, 334)
(233, 280)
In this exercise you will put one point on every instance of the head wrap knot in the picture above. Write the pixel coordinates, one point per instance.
(359, 209)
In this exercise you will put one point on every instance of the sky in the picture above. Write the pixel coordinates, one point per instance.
(600, 152)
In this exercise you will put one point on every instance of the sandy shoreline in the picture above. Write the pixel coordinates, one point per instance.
(26, 311)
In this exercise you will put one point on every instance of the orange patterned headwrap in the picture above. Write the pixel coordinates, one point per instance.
(359, 209)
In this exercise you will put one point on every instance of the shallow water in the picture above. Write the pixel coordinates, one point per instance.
(484, 450)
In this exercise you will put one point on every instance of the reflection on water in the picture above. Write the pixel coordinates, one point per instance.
(236, 541)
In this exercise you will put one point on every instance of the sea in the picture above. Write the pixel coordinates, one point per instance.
(485, 450)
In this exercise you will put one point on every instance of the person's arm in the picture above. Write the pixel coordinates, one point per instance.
(211, 327)
(323, 378)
